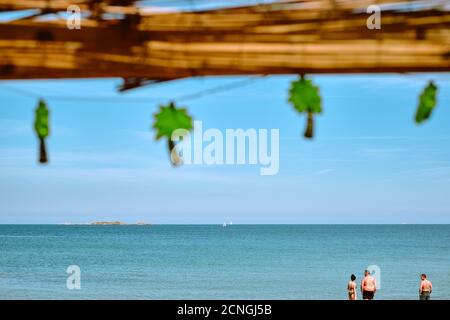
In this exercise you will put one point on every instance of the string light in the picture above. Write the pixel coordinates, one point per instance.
(41, 125)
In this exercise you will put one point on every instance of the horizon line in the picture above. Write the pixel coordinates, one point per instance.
(215, 224)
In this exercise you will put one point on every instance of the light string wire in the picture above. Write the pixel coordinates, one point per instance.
(182, 98)
(118, 99)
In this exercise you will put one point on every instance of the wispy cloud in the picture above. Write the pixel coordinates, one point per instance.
(363, 138)
(372, 138)
(382, 152)
(434, 172)
(11, 127)
(150, 174)
(316, 173)
(23, 157)
(140, 134)
(98, 166)
(14, 127)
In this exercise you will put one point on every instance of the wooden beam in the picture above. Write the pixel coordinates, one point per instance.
(170, 46)
(42, 4)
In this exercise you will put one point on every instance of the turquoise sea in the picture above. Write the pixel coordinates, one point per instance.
(215, 262)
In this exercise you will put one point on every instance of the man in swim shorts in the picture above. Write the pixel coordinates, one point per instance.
(425, 289)
(368, 286)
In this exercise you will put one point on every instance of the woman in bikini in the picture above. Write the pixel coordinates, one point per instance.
(351, 288)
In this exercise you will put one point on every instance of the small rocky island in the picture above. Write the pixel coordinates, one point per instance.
(117, 223)
(107, 223)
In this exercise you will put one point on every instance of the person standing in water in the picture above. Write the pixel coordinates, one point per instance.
(425, 289)
(368, 286)
(351, 288)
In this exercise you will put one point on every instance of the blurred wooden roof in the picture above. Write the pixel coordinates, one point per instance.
(141, 40)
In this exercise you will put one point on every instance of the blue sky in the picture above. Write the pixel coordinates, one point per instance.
(369, 162)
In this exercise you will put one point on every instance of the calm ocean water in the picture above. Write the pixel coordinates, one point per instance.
(212, 262)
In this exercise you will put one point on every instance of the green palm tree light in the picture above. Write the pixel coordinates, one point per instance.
(167, 120)
(305, 98)
(427, 103)
(41, 127)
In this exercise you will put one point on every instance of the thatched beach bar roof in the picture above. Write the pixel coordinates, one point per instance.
(127, 39)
